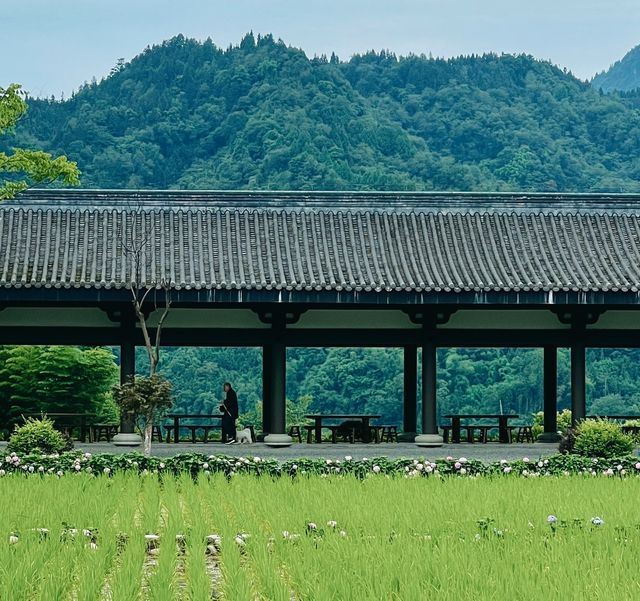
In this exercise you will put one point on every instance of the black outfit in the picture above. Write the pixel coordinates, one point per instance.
(230, 411)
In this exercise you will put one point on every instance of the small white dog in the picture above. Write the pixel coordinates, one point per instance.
(243, 436)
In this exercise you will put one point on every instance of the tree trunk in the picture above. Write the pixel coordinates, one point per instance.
(148, 433)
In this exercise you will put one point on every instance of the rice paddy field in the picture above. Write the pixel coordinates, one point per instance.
(130, 537)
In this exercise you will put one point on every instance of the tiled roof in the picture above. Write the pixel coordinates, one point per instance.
(323, 241)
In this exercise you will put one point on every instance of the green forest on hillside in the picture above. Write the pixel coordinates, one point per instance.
(186, 114)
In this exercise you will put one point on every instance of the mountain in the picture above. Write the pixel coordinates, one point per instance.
(622, 76)
(186, 114)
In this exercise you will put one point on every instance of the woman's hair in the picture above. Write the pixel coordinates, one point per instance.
(228, 384)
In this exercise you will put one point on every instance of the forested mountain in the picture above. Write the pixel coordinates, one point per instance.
(624, 75)
(187, 114)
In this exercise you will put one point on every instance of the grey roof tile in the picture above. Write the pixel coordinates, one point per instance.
(322, 241)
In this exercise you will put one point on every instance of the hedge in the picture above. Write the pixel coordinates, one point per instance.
(200, 464)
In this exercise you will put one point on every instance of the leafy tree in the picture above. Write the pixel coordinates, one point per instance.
(146, 398)
(51, 379)
(28, 166)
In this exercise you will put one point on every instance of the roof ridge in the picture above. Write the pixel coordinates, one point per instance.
(376, 201)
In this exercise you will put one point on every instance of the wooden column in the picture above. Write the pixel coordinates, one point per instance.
(578, 382)
(127, 436)
(277, 397)
(127, 361)
(410, 394)
(429, 436)
(267, 368)
(127, 369)
(550, 394)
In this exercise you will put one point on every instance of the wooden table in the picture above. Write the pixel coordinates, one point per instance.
(68, 420)
(178, 416)
(364, 418)
(503, 424)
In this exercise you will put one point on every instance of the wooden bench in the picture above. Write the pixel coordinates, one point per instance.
(524, 434)
(481, 429)
(310, 431)
(342, 432)
(100, 430)
(193, 428)
(294, 432)
(389, 433)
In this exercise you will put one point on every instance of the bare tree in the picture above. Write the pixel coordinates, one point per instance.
(147, 295)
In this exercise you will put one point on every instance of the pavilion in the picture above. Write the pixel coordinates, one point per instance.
(282, 269)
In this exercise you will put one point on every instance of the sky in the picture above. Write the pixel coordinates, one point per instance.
(53, 47)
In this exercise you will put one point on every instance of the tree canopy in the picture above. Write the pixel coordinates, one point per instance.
(25, 167)
(43, 379)
(186, 114)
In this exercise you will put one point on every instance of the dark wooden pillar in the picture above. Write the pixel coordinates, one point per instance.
(267, 369)
(578, 382)
(410, 394)
(429, 436)
(127, 361)
(550, 394)
(277, 436)
(127, 371)
(127, 436)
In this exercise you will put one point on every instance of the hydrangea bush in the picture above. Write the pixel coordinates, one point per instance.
(197, 464)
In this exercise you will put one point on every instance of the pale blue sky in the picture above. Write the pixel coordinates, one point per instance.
(53, 46)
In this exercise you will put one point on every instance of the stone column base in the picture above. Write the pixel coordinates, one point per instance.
(127, 440)
(549, 437)
(278, 440)
(429, 440)
(407, 436)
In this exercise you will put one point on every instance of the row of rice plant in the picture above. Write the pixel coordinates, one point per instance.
(162, 538)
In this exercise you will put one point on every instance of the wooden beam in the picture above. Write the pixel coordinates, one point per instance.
(98, 336)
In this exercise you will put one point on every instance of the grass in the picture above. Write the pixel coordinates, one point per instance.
(394, 538)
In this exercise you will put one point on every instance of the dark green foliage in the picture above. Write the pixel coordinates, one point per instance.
(50, 379)
(22, 168)
(145, 397)
(37, 436)
(262, 115)
(601, 438)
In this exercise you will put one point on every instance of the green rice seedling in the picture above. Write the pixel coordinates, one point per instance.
(317, 538)
(95, 567)
(127, 580)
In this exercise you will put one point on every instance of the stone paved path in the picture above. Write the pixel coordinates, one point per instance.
(484, 452)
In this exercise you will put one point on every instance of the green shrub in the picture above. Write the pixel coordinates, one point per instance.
(601, 438)
(563, 422)
(37, 436)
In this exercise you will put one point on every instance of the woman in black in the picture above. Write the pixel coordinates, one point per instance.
(229, 414)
